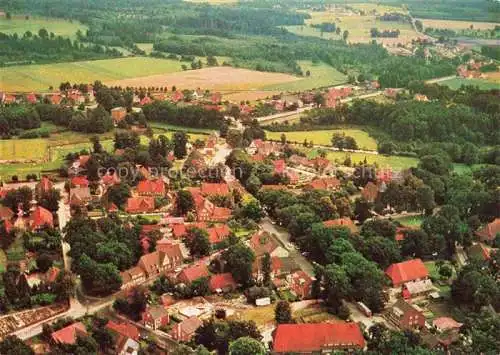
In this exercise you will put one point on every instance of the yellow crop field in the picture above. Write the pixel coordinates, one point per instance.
(458, 25)
(22, 149)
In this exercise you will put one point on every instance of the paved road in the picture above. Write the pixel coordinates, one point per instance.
(437, 80)
(284, 238)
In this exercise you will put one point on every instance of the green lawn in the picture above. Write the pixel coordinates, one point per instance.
(170, 127)
(323, 137)
(16, 250)
(383, 161)
(3, 261)
(410, 221)
(60, 27)
(321, 75)
(40, 77)
(456, 83)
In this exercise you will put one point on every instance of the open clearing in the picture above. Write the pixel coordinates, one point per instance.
(22, 149)
(324, 137)
(457, 25)
(19, 25)
(40, 77)
(215, 78)
(383, 161)
(456, 83)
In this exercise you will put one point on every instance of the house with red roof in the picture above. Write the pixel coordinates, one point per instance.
(155, 317)
(193, 272)
(43, 186)
(80, 181)
(444, 324)
(110, 179)
(79, 196)
(276, 267)
(214, 189)
(342, 222)
(222, 283)
(312, 338)
(406, 271)
(158, 262)
(370, 192)
(279, 166)
(185, 330)
(132, 277)
(489, 232)
(218, 233)
(180, 230)
(300, 284)
(216, 98)
(52, 274)
(124, 328)
(327, 183)
(69, 334)
(151, 188)
(262, 242)
(9, 99)
(118, 114)
(207, 211)
(41, 218)
(404, 316)
(55, 99)
(146, 101)
(31, 98)
(140, 205)
(6, 213)
(177, 96)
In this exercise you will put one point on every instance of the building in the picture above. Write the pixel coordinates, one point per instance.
(222, 283)
(370, 192)
(330, 183)
(300, 284)
(132, 277)
(151, 188)
(312, 338)
(126, 346)
(79, 196)
(191, 273)
(406, 271)
(41, 218)
(479, 251)
(155, 317)
(445, 324)
(43, 186)
(184, 330)
(489, 232)
(118, 114)
(262, 243)
(158, 262)
(214, 189)
(414, 289)
(79, 181)
(207, 211)
(125, 329)
(405, 316)
(276, 268)
(69, 334)
(140, 205)
(341, 222)
(218, 233)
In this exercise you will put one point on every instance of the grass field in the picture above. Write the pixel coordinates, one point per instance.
(458, 25)
(456, 83)
(19, 25)
(146, 47)
(40, 77)
(410, 221)
(321, 75)
(22, 149)
(383, 161)
(3, 261)
(363, 139)
(260, 315)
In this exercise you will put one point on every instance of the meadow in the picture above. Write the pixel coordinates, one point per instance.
(23, 149)
(458, 25)
(19, 25)
(41, 77)
(323, 137)
(456, 83)
(383, 161)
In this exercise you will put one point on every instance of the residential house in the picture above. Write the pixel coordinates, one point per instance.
(79, 181)
(158, 262)
(342, 222)
(214, 189)
(300, 284)
(31, 98)
(445, 324)
(155, 317)
(218, 233)
(489, 232)
(69, 334)
(370, 192)
(193, 272)
(6, 214)
(75, 97)
(313, 338)
(40, 218)
(185, 330)
(418, 288)
(263, 147)
(222, 283)
(110, 179)
(180, 230)
(405, 316)
(172, 250)
(479, 251)
(140, 205)
(207, 211)
(406, 271)
(55, 99)
(262, 243)
(177, 96)
(151, 188)
(124, 328)
(146, 101)
(43, 186)
(132, 277)
(328, 183)
(216, 98)
(276, 268)
(126, 346)
(118, 114)
(79, 196)
(279, 166)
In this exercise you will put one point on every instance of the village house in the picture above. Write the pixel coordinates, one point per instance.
(79, 196)
(41, 218)
(222, 283)
(263, 147)
(155, 317)
(110, 179)
(342, 222)
(276, 268)
(328, 183)
(43, 186)
(300, 284)
(418, 288)
(262, 243)
(312, 338)
(154, 188)
(124, 328)
(489, 232)
(140, 205)
(118, 114)
(207, 211)
(405, 316)
(31, 98)
(158, 262)
(218, 233)
(6, 214)
(370, 192)
(79, 181)
(446, 324)
(146, 101)
(406, 271)
(184, 330)
(192, 273)
(214, 189)
(69, 334)
(126, 346)
(132, 277)
(177, 96)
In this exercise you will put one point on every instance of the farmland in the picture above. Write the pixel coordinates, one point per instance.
(323, 137)
(458, 25)
(456, 83)
(41, 77)
(22, 149)
(19, 25)
(383, 161)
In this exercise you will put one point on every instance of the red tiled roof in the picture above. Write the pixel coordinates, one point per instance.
(44, 185)
(186, 327)
(179, 230)
(279, 166)
(342, 222)
(125, 329)
(145, 101)
(489, 231)
(262, 242)
(221, 282)
(151, 187)
(52, 274)
(6, 213)
(68, 334)
(177, 96)
(221, 214)
(214, 188)
(370, 191)
(218, 233)
(80, 181)
(291, 338)
(324, 183)
(140, 204)
(55, 99)
(110, 179)
(407, 271)
(445, 323)
(41, 217)
(194, 272)
(31, 98)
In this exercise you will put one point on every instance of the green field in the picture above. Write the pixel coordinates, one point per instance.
(324, 137)
(40, 77)
(383, 161)
(169, 127)
(322, 75)
(456, 83)
(410, 221)
(12, 149)
(19, 25)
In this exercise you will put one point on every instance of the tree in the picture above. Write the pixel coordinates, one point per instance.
(97, 147)
(425, 199)
(319, 99)
(97, 278)
(21, 197)
(184, 202)
(246, 346)
(283, 313)
(42, 33)
(266, 269)
(382, 227)
(197, 242)
(383, 251)
(252, 210)
(362, 209)
(180, 140)
(50, 199)
(119, 194)
(44, 262)
(239, 259)
(345, 35)
(234, 138)
(283, 138)
(11, 344)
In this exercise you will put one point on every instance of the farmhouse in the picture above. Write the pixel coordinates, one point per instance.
(41, 218)
(69, 334)
(411, 270)
(405, 316)
(125, 329)
(330, 183)
(118, 114)
(222, 283)
(155, 317)
(184, 330)
(140, 205)
(191, 273)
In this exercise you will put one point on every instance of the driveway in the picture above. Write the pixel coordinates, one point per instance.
(283, 237)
